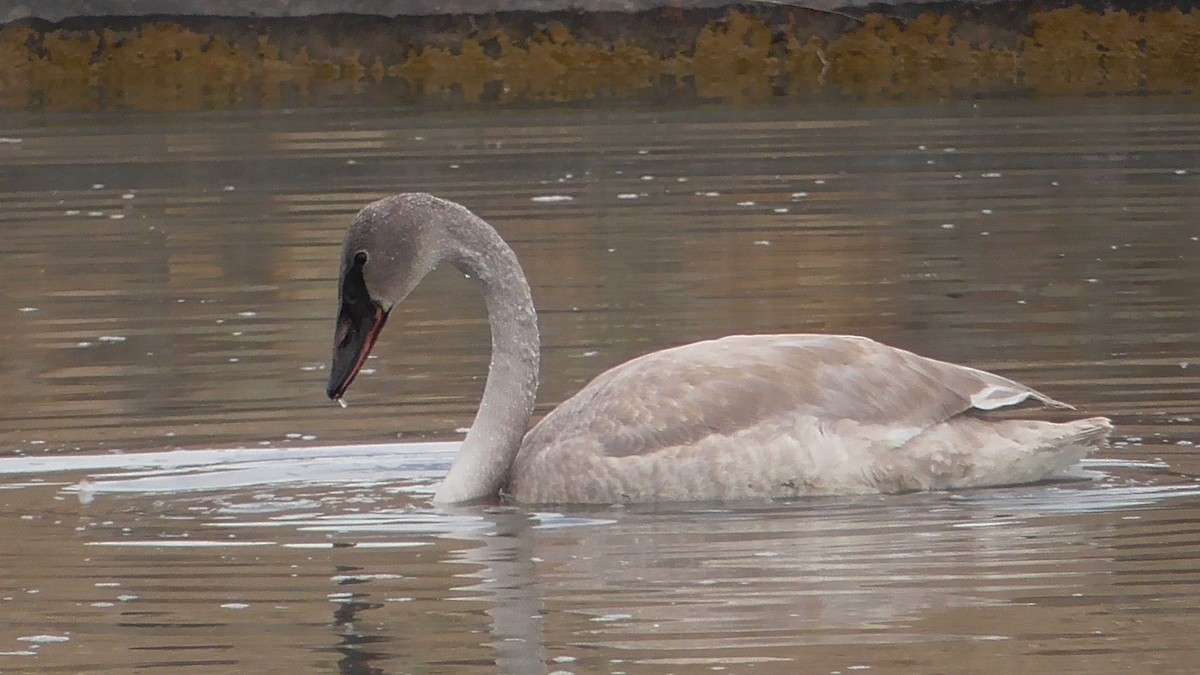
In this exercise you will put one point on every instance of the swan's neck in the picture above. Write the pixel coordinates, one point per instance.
(481, 467)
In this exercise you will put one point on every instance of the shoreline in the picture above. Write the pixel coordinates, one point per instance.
(745, 54)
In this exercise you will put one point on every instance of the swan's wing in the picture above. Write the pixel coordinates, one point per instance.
(680, 396)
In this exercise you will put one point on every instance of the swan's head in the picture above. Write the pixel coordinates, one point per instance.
(392, 244)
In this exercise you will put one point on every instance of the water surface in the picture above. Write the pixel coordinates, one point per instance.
(176, 492)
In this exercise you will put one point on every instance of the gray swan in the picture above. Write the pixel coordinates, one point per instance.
(741, 417)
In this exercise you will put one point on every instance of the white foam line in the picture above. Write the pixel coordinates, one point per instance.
(177, 459)
(181, 543)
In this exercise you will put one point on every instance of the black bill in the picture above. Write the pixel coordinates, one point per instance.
(359, 322)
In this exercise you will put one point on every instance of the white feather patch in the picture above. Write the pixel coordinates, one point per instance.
(992, 397)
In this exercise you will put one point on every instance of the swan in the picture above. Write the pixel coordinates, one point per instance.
(741, 417)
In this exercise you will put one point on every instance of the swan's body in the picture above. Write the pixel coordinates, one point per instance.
(749, 416)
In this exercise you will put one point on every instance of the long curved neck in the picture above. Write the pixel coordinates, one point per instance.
(481, 467)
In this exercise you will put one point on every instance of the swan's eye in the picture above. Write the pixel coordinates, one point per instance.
(360, 258)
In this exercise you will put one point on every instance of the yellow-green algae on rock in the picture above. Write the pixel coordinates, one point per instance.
(738, 55)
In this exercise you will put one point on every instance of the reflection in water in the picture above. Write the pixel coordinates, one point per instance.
(667, 587)
(653, 586)
(169, 290)
(355, 646)
(508, 583)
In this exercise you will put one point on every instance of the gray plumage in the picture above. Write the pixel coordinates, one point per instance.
(750, 416)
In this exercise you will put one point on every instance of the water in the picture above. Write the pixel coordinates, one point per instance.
(177, 493)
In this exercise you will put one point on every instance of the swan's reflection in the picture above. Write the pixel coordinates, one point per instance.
(758, 583)
(498, 546)
(526, 592)
(508, 579)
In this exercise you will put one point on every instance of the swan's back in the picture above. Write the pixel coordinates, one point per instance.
(788, 415)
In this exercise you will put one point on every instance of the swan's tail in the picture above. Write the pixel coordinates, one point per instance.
(1091, 432)
(1081, 439)
(968, 451)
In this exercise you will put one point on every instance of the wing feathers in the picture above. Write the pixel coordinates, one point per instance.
(678, 396)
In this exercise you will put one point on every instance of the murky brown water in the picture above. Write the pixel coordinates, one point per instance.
(168, 286)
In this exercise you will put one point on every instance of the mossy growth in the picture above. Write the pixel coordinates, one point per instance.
(735, 55)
